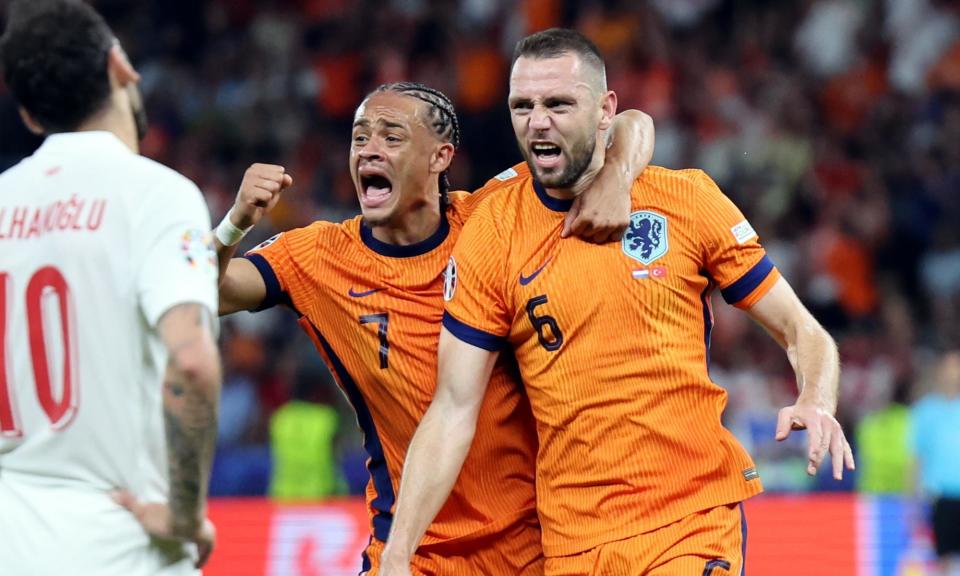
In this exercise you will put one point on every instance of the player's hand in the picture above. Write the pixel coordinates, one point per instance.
(602, 212)
(259, 192)
(392, 565)
(824, 434)
(157, 520)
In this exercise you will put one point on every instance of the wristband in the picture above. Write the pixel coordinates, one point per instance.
(227, 233)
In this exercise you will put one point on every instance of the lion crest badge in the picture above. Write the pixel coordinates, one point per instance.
(646, 238)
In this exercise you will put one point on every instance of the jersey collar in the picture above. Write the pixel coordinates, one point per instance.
(408, 250)
(92, 140)
(555, 204)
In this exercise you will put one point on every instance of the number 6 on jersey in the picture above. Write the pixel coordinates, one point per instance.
(551, 340)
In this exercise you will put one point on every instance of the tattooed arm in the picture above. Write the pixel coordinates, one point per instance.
(191, 395)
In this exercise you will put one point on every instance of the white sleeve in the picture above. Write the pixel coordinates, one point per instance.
(178, 263)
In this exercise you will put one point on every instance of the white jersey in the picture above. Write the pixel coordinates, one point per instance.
(96, 243)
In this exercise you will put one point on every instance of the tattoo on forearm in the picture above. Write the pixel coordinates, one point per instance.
(191, 428)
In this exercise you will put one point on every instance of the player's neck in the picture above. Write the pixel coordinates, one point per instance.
(414, 225)
(586, 179)
(113, 121)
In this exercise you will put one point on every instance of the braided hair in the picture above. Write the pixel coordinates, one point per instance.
(441, 116)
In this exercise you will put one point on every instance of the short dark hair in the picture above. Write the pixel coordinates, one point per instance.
(441, 115)
(54, 55)
(556, 42)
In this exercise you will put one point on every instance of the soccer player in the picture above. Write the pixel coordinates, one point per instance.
(635, 473)
(369, 292)
(107, 295)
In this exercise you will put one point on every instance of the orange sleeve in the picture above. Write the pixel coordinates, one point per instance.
(731, 249)
(282, 262)
(476, 310)
(473, 200)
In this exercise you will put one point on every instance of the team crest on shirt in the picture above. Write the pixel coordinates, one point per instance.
(646, 239)
(450, 280)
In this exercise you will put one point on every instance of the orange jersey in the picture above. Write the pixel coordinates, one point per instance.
(373, 311)
(613, 344)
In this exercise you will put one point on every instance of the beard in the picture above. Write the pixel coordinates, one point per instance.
(577, 161)
(139, 111)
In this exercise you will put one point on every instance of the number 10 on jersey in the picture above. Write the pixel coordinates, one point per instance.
(45, 282)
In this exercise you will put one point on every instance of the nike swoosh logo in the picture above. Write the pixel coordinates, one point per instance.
(354, 294)
(524, 280)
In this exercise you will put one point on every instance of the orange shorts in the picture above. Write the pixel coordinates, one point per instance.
(513, 551)
(708, 543)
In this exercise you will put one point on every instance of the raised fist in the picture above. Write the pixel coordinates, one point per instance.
(259, 192)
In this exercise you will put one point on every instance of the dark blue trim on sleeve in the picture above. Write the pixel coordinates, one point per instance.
(471, 335)
(275, 295)
(748, 282)
(555, 204)
(382, 503)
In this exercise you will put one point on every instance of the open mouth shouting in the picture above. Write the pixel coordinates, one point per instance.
(545, 154)
(375, 187)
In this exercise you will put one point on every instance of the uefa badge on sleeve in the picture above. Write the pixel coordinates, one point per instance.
(450, 280)
(265, 243)
(197, 248)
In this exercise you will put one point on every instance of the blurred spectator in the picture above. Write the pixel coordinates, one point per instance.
(921, 31)
(884, 463)
(302, 434)
(826, 39)
(936, 441)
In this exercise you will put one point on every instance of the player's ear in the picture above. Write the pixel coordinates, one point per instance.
(441, 158)
(119, 67)
(608, 109)
(31, 124)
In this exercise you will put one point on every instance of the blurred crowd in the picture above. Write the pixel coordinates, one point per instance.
(834, 125)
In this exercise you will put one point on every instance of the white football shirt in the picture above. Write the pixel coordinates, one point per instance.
(96, 243)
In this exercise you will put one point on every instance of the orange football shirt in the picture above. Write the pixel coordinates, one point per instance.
(613, 347)
(373, 311)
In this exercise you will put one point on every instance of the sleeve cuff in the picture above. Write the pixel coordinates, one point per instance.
(739, 290)
(154, 311)
(275, 294)
(471, 335)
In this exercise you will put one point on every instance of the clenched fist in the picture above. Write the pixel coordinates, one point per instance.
(259, 192)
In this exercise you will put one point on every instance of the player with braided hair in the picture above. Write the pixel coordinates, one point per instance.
(442, 116)
(370, 292)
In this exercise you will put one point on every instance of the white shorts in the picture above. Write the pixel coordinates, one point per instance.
(54, 531)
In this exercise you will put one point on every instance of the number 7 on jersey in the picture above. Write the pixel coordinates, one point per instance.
(382, 319)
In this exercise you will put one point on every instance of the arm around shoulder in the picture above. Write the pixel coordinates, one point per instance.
(602, 212)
